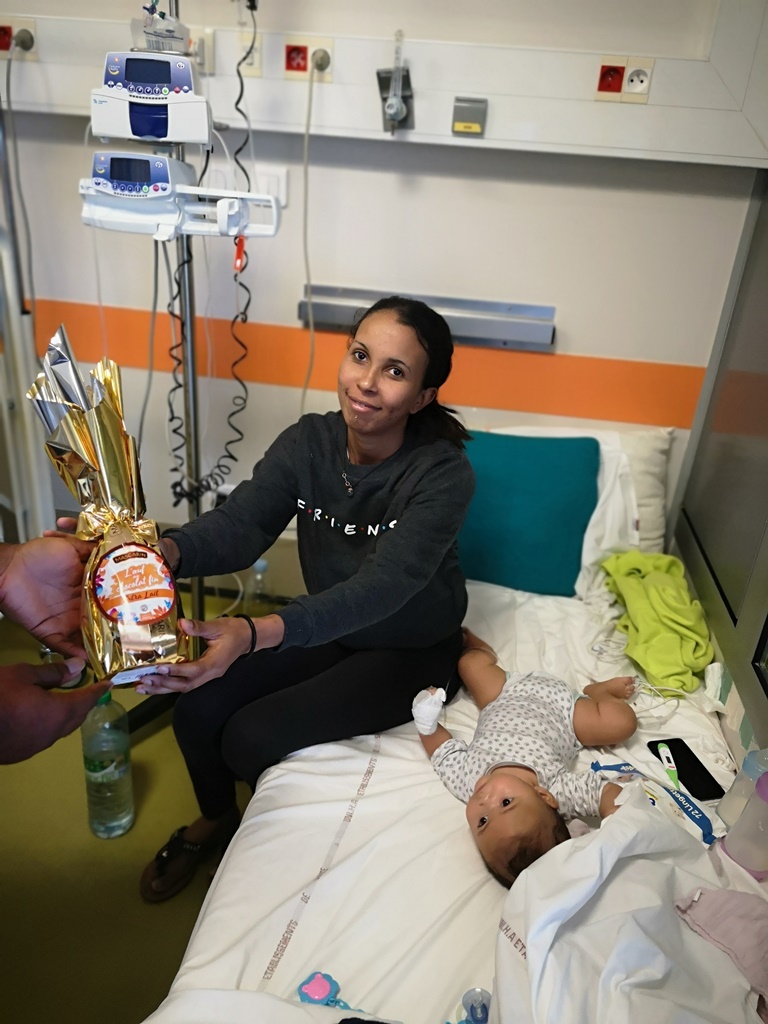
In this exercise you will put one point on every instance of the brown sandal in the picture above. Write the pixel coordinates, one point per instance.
(195, 853)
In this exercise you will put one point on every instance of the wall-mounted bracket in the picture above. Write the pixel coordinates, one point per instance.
(506, 325)
(384, 76)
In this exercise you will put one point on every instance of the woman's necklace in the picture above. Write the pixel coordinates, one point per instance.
(347, 482)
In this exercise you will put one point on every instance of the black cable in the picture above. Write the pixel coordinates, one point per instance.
(241, 93)
(176, 422)
(150, 343)
(205, 167)
(218, 475)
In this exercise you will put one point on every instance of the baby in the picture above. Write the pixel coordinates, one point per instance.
(514, 775)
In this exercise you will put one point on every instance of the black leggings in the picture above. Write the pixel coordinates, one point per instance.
(266, 706)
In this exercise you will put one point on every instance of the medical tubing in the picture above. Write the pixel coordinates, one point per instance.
(150, 342)
(218, 475)
(14, 147)
(305, 241)
(175, 421)
(206, 161)
(239, 109)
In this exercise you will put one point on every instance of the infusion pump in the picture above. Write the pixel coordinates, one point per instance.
(151, 97)
(157, 195)
(130, 176)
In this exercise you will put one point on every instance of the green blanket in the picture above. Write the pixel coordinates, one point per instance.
(667, 635)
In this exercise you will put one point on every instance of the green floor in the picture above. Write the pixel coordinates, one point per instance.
(77, 943)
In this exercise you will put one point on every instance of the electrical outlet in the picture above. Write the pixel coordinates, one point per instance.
(272, 181)
(204, 49)
(9, 26)
(251, 66)
(298, 52)
(610, 79)
(637, 80)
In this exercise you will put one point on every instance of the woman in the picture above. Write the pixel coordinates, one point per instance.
(380, 490)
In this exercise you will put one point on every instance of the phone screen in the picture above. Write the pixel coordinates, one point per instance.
(692, 774)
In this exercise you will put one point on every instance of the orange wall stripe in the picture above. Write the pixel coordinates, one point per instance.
(583, 387)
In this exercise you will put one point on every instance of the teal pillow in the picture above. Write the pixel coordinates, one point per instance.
(534, 497)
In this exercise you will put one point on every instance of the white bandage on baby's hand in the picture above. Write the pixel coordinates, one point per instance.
(426, 709)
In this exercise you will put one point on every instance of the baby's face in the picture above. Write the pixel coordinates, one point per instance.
(506, 806)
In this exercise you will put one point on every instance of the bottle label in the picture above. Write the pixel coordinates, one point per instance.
(132, 583)
(100, 770)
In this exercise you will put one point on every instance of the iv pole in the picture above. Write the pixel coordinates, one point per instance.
(187, 314)
(31, 500)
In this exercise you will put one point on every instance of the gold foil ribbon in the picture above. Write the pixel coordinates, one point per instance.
(130, 604)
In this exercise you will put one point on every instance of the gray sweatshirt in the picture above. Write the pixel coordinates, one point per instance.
(380, 566)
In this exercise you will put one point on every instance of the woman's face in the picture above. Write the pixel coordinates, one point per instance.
(380, 379)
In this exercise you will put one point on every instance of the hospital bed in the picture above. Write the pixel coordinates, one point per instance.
(353, 860)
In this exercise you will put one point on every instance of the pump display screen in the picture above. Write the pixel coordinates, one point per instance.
(123, 168)
(148, 72)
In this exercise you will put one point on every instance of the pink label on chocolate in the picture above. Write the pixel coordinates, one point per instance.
(133, 584)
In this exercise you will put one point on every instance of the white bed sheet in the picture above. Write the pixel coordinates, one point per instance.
(354, 860)
(608, 947)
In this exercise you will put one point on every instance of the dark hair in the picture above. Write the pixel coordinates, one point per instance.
(434, 420)
(522, 852)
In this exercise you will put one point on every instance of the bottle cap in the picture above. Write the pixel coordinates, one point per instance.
(755, 763)
(761, 787)
(105, 698)
(261, 565)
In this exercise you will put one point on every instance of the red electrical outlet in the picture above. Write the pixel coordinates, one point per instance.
(297, 58)
(6, 37)
(611, 78)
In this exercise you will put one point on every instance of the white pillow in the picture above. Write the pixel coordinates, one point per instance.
(647, 452)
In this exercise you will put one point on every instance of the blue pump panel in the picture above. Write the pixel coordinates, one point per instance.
(148, 120)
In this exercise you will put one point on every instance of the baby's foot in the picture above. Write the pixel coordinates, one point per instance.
(621, 686)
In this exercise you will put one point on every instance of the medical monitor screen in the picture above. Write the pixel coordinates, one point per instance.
(125, 168)
(148, 72)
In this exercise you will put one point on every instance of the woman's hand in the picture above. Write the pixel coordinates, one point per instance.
(227, 639)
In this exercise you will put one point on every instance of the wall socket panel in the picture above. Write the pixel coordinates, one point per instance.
(250, 68)
(637, 79)
(204, 49)
(297, 57)
(14, 24)
(624, 79)
(271, 180)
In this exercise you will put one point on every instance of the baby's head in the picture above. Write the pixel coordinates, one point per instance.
(514, 821)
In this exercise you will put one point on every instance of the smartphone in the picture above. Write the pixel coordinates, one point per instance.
(690, 771)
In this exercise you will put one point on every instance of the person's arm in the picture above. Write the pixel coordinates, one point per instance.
(435, 740)
(227, 639)
(41, 584)
(583, 793)
(426, 708)
(32, 717)
(234, 534)
(403, 563)
(608, 799)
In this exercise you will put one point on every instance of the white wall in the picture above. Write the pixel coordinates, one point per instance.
(655, 27)
(635, 256)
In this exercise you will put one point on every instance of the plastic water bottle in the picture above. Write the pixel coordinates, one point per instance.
(735, 800)
(256, 602)
(107, 759)
(476, 1004)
